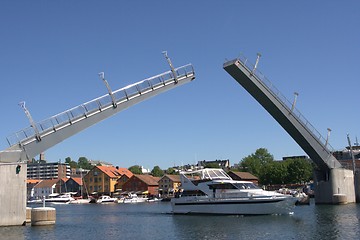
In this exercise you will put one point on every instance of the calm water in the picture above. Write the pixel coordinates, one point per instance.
(153, 221)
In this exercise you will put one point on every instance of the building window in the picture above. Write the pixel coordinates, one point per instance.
(96, 173)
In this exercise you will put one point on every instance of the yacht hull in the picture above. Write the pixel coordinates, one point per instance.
(233, 206)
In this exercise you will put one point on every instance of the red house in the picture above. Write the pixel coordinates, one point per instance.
(146, 184)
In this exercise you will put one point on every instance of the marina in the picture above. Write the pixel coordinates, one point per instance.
(154, 220)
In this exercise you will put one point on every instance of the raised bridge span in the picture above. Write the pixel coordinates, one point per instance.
(30, 142)
(331, 177)
(40, 136)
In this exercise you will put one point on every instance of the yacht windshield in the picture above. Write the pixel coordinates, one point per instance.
(215, 174)
(246, 186)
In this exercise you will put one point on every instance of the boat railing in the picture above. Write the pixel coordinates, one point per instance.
(102, 103)
(285, 102)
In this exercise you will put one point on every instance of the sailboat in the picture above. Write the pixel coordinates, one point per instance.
(81, 200)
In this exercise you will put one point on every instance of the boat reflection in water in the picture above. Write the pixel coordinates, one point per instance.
(213, 191)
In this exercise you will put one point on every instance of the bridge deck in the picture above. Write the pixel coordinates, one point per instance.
(30, 142)
(283, 112)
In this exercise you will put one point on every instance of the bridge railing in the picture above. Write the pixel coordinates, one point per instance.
(87, 109)
(286, 103)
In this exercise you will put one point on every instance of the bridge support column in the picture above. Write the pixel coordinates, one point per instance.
(339, 182)
(357, 186)
(13, 194)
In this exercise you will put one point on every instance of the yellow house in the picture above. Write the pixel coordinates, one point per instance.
(102, 179)
(168, 185)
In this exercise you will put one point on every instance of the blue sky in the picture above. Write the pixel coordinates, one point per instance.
(52, 51)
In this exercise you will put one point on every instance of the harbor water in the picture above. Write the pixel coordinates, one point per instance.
(154, 221)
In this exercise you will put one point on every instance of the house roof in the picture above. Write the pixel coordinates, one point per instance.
(32, 181)
(114, 172)
(148, 179)
(46, 183)
(245, 175)
(65, 179)
(78, 180)
(174, 178)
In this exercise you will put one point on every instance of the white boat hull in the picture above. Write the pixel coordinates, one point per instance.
(233, 206)
(134, 200)
(80, 201)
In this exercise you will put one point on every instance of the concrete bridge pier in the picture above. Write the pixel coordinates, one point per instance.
(336, 187)
(357, 186)
(13, 194)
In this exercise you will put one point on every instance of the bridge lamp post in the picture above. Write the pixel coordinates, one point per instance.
(257, 62)
(328, 136)
(296, 94)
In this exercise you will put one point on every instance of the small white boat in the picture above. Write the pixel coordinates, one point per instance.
(134, 198)
(106, 199)
(35, 201)
(154, 199)
(59, 199)
(81, 201)
(213, 191)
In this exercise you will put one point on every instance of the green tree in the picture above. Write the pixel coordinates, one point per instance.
(71, 163)
(136, 169)
(255, 162)
(84, 163)
(172, 171)
(299, 170)
(157, 172)
(274, 173)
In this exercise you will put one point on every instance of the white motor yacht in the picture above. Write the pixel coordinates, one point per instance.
(213, 191)
(59, 199)
(106, 199)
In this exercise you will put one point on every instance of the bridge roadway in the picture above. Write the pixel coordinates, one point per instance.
(331, 173)
(30, 142)
(281, 110)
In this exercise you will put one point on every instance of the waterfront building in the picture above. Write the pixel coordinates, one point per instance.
(243, 176)
(145, 170)
(120, 182)
(345, 158)
(224, 164)
(144, 184)
(78, 172)
(168, 185)
(75, 184)
(30, 184)
(43, 170)
(102, 179)
(47, 187)
(100, 163)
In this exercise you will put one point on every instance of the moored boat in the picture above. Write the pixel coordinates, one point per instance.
(59, 199)
(134, 198)
(106, 199)
(213, 191)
